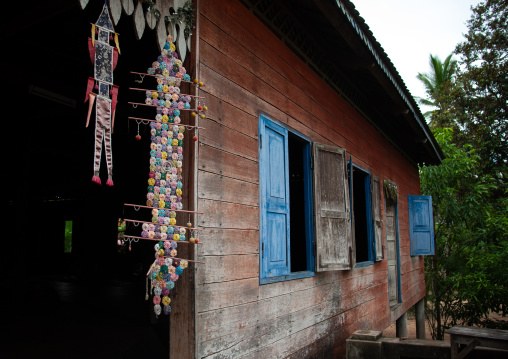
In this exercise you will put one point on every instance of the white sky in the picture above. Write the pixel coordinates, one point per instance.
(410, 30)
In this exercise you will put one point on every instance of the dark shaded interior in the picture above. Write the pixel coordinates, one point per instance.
(89, 302)
(297, 204)
(360, 215)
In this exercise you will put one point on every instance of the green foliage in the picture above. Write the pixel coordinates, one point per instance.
(466, 278)
(442, 73)
(68, 237)
(484, 85)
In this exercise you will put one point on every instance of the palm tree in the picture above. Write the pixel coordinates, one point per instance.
(440, 73)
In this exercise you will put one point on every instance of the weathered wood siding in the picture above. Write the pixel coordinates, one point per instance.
(246, 69)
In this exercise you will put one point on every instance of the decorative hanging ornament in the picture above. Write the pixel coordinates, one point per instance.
(104, 57)
(165, 175)
(138, 136)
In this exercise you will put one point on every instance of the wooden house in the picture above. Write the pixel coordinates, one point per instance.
(303, 182)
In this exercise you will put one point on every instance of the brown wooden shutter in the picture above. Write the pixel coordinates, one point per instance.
(334, 247)
(376, 216)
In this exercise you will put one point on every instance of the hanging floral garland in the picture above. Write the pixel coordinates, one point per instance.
(164, 193)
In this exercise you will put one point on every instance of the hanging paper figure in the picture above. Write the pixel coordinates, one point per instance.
(104, 57)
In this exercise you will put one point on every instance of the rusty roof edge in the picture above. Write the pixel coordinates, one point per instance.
(361, 28)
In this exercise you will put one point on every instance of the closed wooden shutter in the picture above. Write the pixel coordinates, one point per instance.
(392, 251)
(334, 247)
(421, 225)
(274, 204)
(376, 217)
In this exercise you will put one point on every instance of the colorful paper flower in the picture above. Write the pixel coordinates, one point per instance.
(166, 300)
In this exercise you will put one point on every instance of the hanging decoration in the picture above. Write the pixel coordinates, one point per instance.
(390, 191)
(165, 182)
(104, 58)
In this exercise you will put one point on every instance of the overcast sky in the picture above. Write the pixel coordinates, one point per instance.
(411, 30)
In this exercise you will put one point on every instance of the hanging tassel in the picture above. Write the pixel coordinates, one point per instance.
(116, 42)
(109, 182)
(96, 179)
(93, 35)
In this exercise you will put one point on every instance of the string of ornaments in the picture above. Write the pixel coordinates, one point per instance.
(165, 185)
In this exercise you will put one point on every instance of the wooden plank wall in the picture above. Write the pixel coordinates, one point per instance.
(246, 69)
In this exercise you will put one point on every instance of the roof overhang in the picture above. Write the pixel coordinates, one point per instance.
(332, 38)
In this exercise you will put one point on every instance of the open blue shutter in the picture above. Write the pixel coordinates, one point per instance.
(421, 225)
(274, 202)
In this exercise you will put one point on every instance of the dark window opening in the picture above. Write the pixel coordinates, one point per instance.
(361, 214)
(298, 230)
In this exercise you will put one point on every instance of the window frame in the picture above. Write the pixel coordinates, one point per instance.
(374, 253)
(264, 277)
(329, 227)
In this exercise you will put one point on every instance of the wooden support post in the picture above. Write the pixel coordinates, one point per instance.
(420, 319)
(401, 326)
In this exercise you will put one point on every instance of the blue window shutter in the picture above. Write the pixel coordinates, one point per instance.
(421, 225)
(274, 200)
